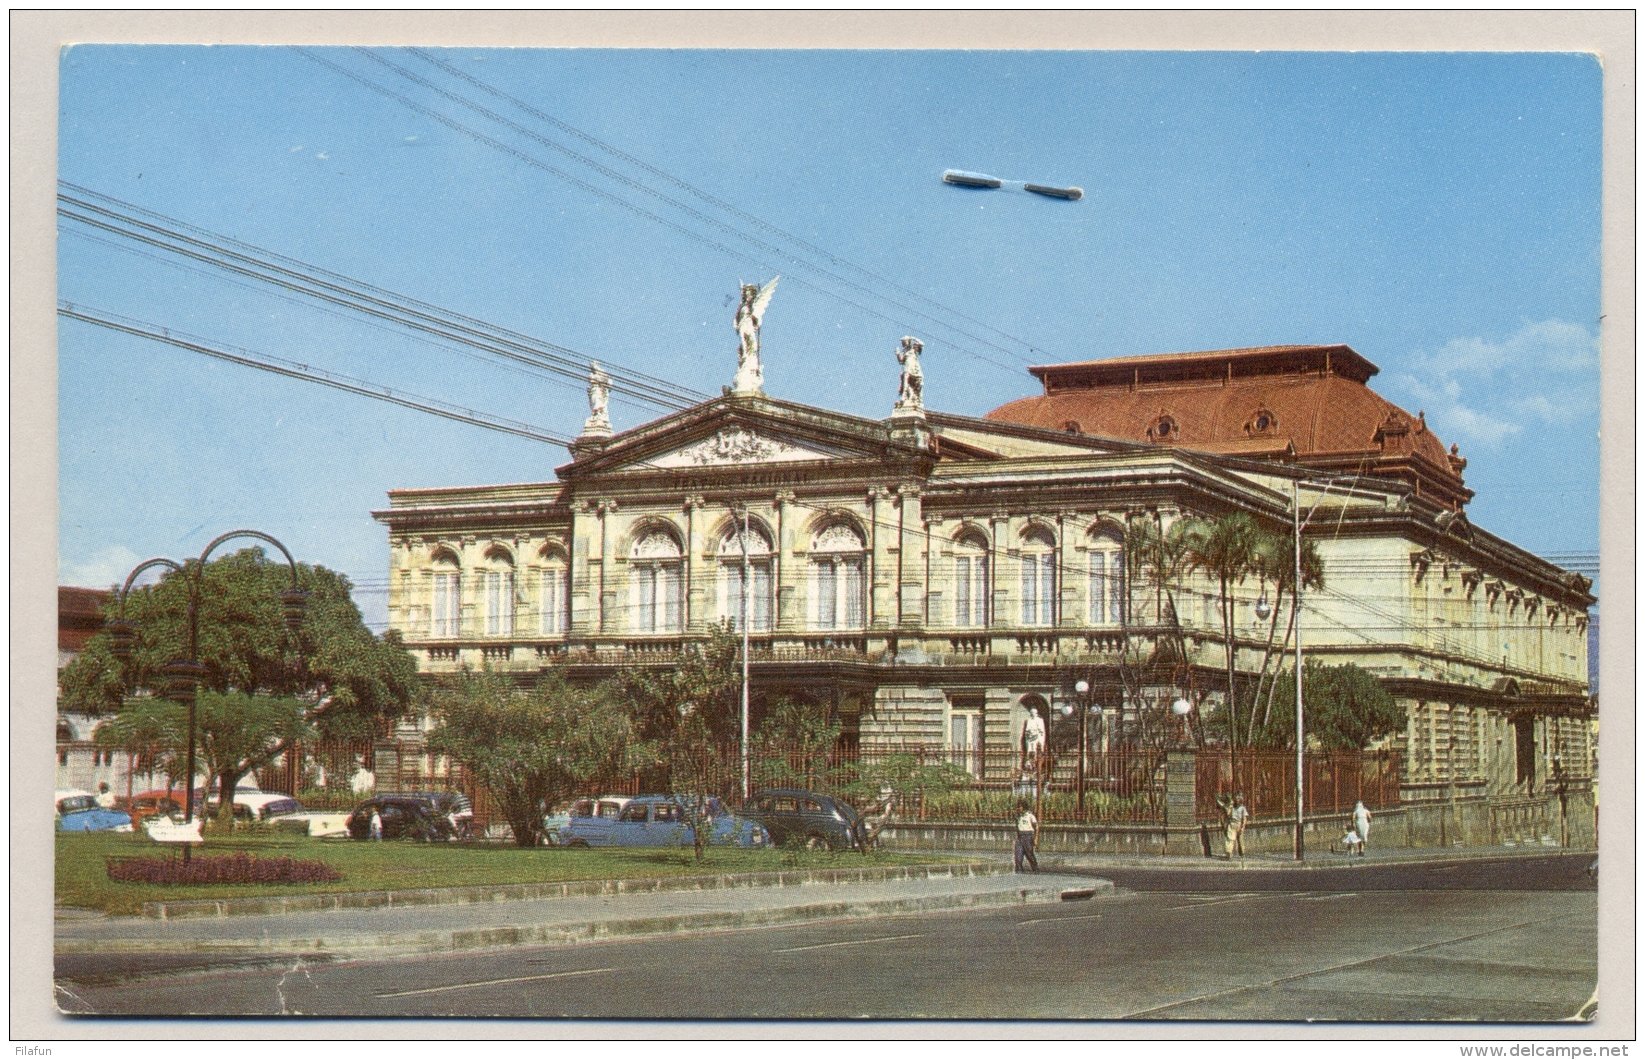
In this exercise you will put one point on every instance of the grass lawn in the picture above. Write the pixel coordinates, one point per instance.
(82, 877)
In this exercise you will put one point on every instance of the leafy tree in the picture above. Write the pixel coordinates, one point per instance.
(348, 680)
(1344, 708)
(532, 749)
(690, 711)
(794, 742)
(237, 733)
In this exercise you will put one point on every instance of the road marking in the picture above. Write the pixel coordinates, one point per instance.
(854, 942)
(1347, 964)
(1330, 897)
(1208, 902)
(1058, 919)
(497, 982)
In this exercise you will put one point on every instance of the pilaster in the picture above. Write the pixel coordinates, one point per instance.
(910, 554)
(608, 590)
(882, 605)
(783, 577)
(696, 580)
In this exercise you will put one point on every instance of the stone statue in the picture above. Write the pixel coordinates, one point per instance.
(599, 394)
(750, 375)
(910, 389)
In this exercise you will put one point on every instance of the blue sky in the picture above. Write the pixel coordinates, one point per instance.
(1437, 212)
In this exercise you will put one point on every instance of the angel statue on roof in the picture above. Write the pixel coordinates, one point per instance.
(911, 387)
(749, 314)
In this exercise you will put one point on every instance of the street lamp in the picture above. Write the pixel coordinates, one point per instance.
(183, 676)
(1082, 692)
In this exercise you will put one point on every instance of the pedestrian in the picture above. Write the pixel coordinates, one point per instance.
(1234, 837)
(105, 797)
(1362, 825)
(376, 824)
(1028, 828)
(1351, 841)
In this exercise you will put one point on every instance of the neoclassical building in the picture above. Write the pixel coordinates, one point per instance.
(930, 578)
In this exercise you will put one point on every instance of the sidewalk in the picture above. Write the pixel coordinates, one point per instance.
(385, 931)
(1312, 859)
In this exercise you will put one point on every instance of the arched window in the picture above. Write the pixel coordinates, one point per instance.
(972, 592)
(732, 585)
(447, 611)
(654, 583)
(837, 578)
(499, 593)
(1039, 578)
(1107, 595)
(554, 593)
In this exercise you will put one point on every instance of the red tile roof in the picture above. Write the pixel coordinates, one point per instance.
(79, 615)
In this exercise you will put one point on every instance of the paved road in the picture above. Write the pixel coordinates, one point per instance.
(1504, 943)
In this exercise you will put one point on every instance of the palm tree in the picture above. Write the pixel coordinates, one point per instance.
(1225, 549)
(1313, 577)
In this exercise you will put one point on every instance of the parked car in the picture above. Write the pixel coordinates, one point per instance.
(156, 803)
(77, 811)
(404, 817)
(660, 821)
(258, 805)
(816, 820)
(606, 807)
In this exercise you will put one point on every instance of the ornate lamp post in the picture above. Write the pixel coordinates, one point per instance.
(183, 675)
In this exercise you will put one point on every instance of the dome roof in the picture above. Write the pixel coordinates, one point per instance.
(1310, 404)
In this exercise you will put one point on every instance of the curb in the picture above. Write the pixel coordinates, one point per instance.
(1316, 862)
(520, 892)
(586, 931)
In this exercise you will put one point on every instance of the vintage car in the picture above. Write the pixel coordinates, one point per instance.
(77, 811)
(403, 817)
(661, 821)
(817, 821)
(155, 803)
(555, 824)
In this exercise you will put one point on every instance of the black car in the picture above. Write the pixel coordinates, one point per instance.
(404, 817)
(816, 820)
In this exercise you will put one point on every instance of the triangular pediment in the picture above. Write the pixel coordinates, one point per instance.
(743, 432)
(739, 445)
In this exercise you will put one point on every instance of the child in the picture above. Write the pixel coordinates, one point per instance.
(1351, 841)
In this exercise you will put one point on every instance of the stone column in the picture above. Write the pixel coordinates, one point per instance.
(1182, 834)
(782, 558)
(696, 592)
(1069, 615)
(584, 595)
(910, 569)
(608, 591)
(999, 613)
(882, 607)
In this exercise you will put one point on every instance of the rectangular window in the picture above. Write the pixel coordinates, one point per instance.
(971, 590)
(853, 592)
(760, 609)
(825, 594)
(446, 608)
(499, 603)
(670, 590)
(647, 581)
(759, 604)
(553, 601)
(1038, 589)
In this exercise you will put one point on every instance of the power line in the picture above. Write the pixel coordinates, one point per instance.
(228, 254)
(612, 174)
(537, 163)
(297, 370)
(708, 198)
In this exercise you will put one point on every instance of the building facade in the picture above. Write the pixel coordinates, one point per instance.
(931, 579)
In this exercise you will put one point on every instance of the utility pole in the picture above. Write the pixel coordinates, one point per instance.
(1296, 539)
(743, 540)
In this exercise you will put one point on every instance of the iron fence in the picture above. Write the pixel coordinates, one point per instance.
(1332, 781)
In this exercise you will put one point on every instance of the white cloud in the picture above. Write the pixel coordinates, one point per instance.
(1485, 391)
(100, 570)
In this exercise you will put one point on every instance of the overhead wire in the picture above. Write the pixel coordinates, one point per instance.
(298, 370)
(616, 200)
(227, 254)
(712, 200)
(621, 178)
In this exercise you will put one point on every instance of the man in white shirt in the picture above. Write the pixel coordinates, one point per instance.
(1028, 827)
(105, 797)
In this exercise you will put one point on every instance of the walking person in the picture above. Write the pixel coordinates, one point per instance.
(1028, 828)
(1362, 825)
(376, 824)
(1234, 837)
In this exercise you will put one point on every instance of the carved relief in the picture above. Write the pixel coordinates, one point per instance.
(735, 445)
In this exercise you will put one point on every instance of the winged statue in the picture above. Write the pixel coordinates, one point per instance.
(750, 312)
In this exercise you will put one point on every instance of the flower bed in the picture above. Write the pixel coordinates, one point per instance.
(227, 868)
